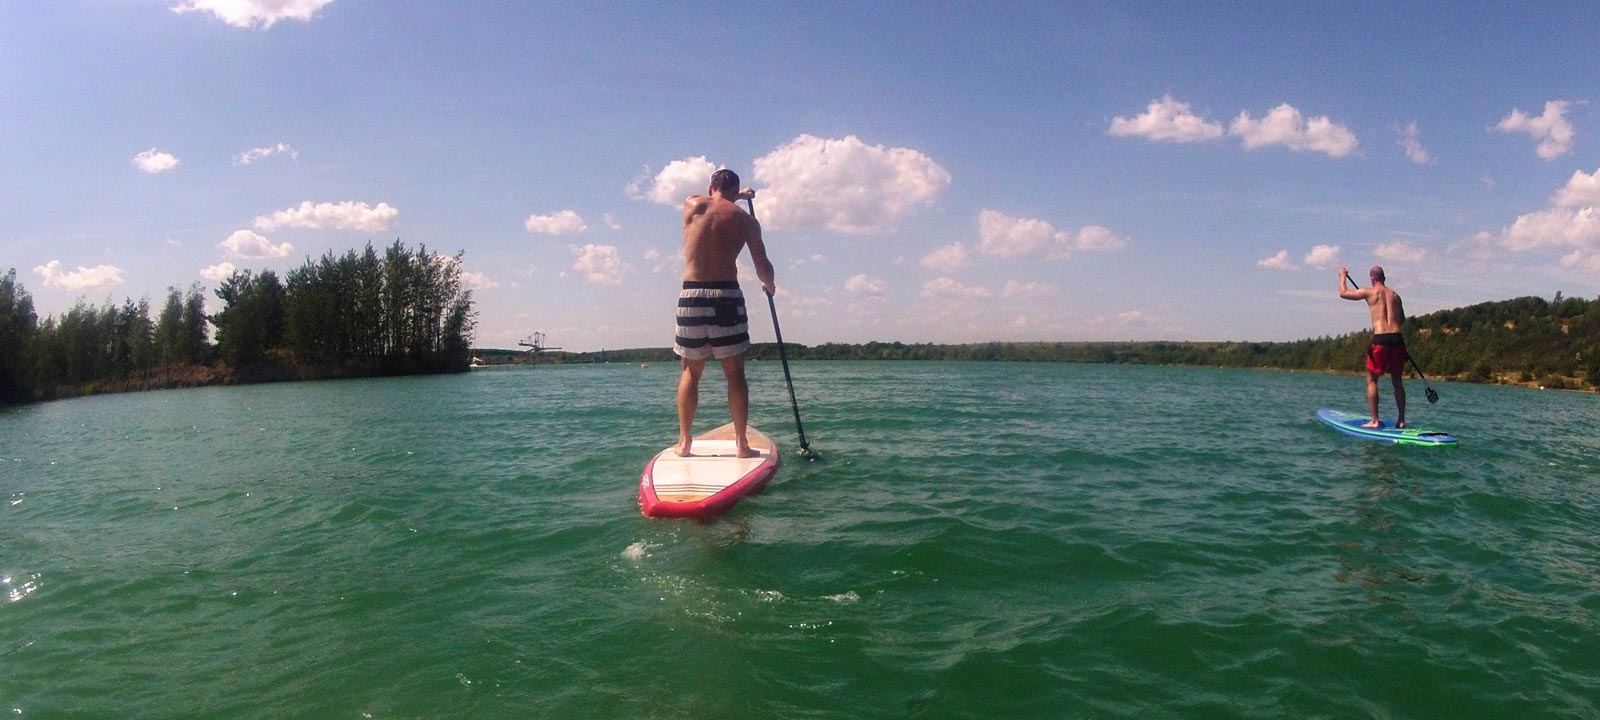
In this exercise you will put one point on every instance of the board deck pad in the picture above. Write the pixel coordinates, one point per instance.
(1350, 423)
(711, 480)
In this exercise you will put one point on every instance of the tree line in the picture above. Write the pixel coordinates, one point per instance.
(357, 314)
(1525, 340)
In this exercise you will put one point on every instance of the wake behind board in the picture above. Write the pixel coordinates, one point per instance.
(1350, 423)
(709, 481)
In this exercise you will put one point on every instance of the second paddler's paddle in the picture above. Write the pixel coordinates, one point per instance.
(805, 447)
(1428, 391)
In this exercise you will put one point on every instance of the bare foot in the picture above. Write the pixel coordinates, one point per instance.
(683, 448)
(747, 452)
(1400, 424)
(1372, 424)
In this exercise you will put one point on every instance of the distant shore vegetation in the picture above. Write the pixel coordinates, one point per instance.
(1524, 341)
(360, 314)
(405, 311)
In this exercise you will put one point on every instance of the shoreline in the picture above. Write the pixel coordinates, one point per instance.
(195, 376)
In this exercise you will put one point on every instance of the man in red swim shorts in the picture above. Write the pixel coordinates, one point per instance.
(1387, 354)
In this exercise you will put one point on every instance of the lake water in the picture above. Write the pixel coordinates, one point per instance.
(980, 541)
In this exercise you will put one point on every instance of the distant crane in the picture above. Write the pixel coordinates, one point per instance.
(535, 344)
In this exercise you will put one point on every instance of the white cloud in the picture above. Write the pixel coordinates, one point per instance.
(1588, 260)
(1004, 236)
(1016, 289)
(600, 264)
(251, 13)
(1132, 317)
(565, 222)
(947, 259)
(610, 222)
(1094, 237)
(1571, 221)
(347, 215)
(155, 161)
(218, 272)
(1322, 256)
(1166, 120)
(477, 280)
(1284, 125)
(678, 180)
(1553, 227)
(246, 244)
(1411, 142)
(81, 279)
(253, 154)
(844, 184)
(1551, 129)
(1400, 251)
(814, 259)
(1278, 261)
(1581, 190)
(948, 288)
(864, 285)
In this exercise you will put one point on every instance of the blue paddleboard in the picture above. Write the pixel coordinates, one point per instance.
(1350, 423)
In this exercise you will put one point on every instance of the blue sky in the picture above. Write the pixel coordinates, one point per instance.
(944, 172)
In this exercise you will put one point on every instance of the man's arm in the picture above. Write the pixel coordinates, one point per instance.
(758, 255)
(1344, 287)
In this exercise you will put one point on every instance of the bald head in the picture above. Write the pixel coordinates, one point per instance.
(1376, 273)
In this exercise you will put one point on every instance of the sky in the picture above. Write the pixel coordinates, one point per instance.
(925, 172)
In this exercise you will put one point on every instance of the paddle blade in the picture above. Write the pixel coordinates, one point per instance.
(1433, 396)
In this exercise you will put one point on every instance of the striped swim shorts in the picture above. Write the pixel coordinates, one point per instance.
(711, 320)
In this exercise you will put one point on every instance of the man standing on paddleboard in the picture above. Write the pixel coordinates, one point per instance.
(1387, 353)
(711, 314)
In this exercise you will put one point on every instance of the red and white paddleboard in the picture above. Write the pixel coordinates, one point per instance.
(709, 481)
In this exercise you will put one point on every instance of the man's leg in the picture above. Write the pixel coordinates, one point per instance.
(1372, 400)
(688, 401)
(1399, 399)
(738, 403)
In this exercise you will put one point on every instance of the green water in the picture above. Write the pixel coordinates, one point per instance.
(981, 541)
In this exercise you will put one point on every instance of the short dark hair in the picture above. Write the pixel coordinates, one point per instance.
(725, 179)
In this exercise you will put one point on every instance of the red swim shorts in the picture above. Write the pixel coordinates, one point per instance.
(1386, 359)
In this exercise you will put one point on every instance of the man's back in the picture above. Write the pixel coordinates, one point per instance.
(1387, 313)
(715, 230)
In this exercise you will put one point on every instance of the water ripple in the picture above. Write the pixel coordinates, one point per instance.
(983, 540)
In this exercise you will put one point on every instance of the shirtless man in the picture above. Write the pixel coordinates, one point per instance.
(1387, 354)
(711, 314)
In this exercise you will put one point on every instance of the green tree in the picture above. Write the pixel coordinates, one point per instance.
(251, 321)
(19, 326)
(169, 328)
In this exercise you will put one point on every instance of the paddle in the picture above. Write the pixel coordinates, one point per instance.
(805, 447)
(1433, 397)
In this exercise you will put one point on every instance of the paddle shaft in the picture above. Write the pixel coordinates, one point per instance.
(783, 356)
(1409, 359)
